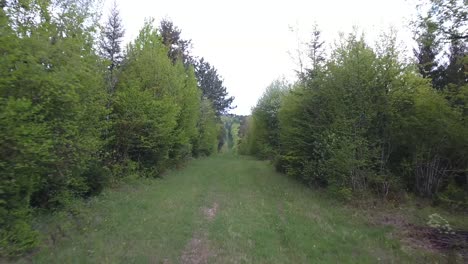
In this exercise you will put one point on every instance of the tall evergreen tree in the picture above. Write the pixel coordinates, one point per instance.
(440, 35)
(210, 83)
(178, 48)
(316, 50)
(110, 44)
(457, 67)
(212, 87)
(427, 51)
(457, 76)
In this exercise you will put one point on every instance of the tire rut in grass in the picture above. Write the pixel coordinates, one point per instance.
(198, 249)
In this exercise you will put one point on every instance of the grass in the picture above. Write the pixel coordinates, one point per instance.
(221, 209)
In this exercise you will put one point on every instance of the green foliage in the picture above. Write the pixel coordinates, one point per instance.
(428, 137)
(17, 235)
(234, 136)
(449, 17)
(52, 107)
(246, 136)
(157, 106)
(440, 33)
(365, 121)
(24, 147)
(212, 87)
(141, 128)
(68, 129)
(178, 48)
(263, 140)
(230, 133)
(189, 99)
(206, 142)
(454, 196)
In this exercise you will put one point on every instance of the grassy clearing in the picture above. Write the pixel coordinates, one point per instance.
(222, 209)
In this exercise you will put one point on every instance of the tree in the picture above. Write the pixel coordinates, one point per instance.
(188, 97)
(209, 81)
(145, 109)
(265, 141)
(427, 52)
(212, 87)
(178, 48)
(442, 28)
(157, 106)
(457, 68)
(208, 130)
(53, 108)
(316, 50)
(368, 122)
(110, 44)
(427, 137)
(52, 105)
(451, 17)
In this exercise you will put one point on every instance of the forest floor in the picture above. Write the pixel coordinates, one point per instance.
(232, 209)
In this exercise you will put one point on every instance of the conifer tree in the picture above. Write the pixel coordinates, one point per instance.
(110, 45)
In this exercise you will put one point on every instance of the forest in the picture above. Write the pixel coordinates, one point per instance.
(81, 112)
(365, 119)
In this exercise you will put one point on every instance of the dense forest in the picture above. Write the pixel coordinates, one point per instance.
(79, 112)
(365, 119)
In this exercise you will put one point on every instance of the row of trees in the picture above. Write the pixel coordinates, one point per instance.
(231, 133)
(77, 113)
(362, 120)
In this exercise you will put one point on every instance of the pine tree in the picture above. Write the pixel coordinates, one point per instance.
(178, 48)
(212, 87)
(427, 52)
(110, 45)
(316, 50)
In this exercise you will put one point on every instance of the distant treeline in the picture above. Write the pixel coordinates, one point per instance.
(360, 120)
(78, 112)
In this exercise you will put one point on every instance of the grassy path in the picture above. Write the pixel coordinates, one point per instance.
(222, 209)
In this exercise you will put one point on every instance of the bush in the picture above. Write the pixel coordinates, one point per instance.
(263, 136)
(16, 234)
(364, 122)
(64, 133)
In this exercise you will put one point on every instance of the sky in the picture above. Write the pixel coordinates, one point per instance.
(250, 42)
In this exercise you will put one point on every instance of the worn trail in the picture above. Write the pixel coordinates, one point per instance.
(221, 209)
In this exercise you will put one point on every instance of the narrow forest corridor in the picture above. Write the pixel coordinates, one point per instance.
(220, 209)
(175, 132)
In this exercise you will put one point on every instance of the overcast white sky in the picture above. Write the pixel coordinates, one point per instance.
(249, 41)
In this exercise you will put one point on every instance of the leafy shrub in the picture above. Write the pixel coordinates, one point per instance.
(364, 121)
(64, 133)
